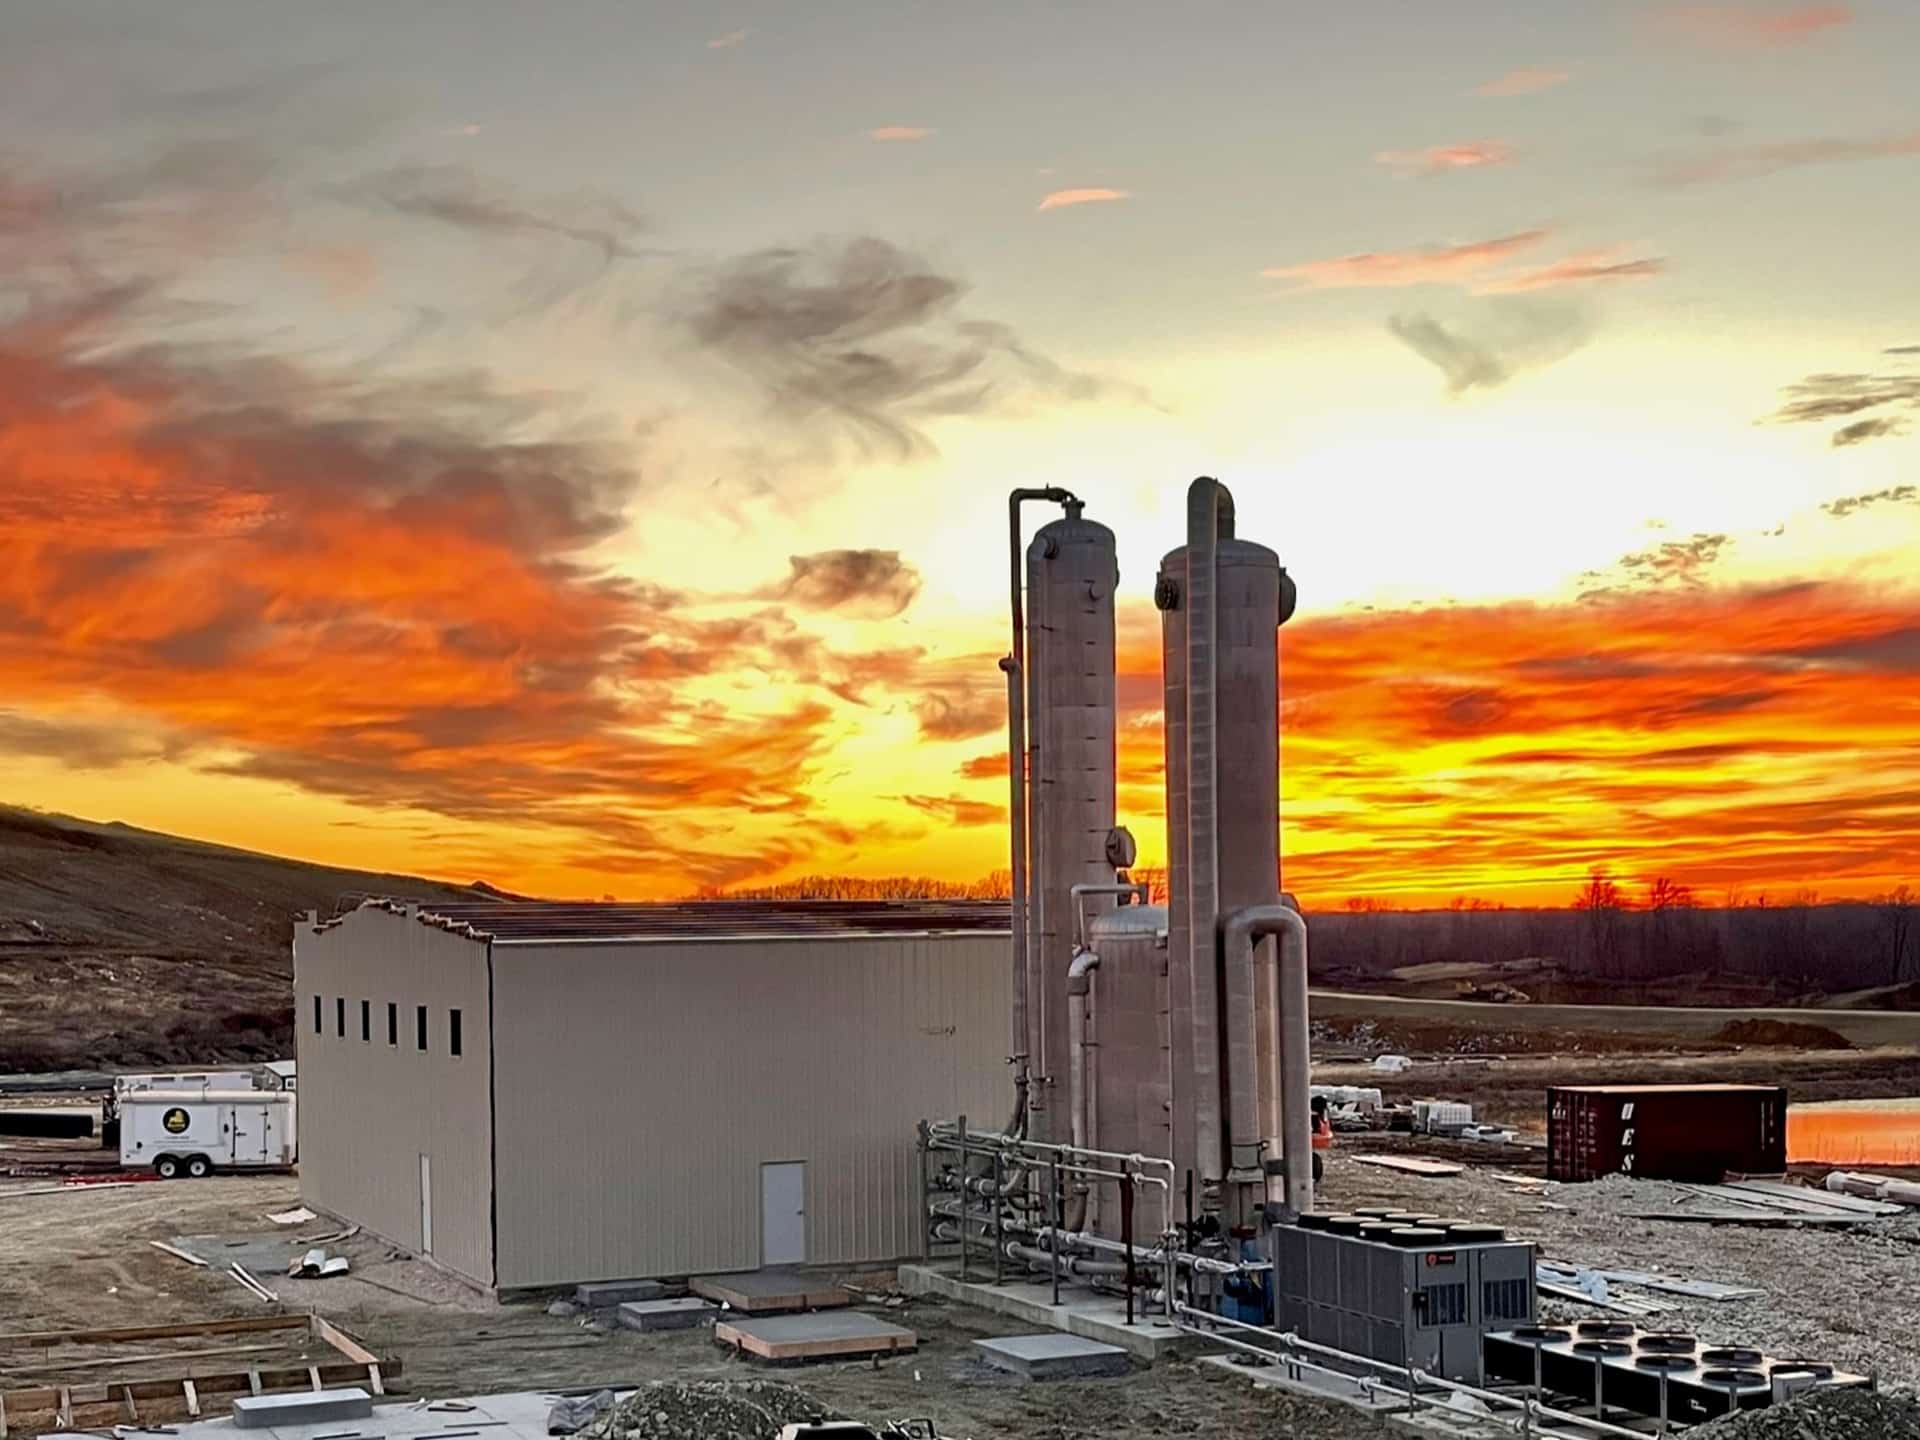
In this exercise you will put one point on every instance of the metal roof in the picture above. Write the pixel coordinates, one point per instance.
(543, 921)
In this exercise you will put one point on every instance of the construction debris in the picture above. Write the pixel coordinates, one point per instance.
(1874, 1187)
(178, 1253)
(298, 1216)
(711, 1409)
(317, 1263)
(249, 1283)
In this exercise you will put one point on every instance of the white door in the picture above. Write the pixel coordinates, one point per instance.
(783, 1213)
(426, 1205)
(250, 1135)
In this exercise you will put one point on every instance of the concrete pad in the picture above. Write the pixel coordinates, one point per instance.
(302, 1407)
(844, 1335)
(681, 1314)
(605, 1294)
(1054, 1356)
(1085, 1313)
(770, 1292)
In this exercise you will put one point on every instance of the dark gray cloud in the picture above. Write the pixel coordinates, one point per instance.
(1861, 431)
(1681, 561)
(1902, 350)
(871, 583)
(1496, 340)
(956, 809)
(1846, 505)
(865, 335)
(961, 714)
(1841, 395)
(455, 196)
(81, 744)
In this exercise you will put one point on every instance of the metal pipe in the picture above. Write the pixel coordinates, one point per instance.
(1241, 930)
(1209, 519)
(1080, 892)
(1079, 983)
(1529, 1408)
(1204, 1264)
(1015, 666)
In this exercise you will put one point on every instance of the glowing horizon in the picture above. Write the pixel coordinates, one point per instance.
(597, 487)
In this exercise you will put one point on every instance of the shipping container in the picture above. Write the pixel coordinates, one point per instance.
(1697, 1133)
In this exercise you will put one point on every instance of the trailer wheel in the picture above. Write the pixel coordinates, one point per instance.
(167, 1167)
(199, 1167)
(1319, 1167)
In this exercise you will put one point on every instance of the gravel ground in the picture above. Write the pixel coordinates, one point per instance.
(1844, 1296)
(1826, 1415)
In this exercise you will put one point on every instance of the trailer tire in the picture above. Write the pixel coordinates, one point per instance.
(199, 1167)
(167, 1167)
(1319, 1167)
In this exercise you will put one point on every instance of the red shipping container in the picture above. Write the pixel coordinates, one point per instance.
(1699, 1133)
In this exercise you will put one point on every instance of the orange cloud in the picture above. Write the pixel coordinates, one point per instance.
(1428, 265)
(898, 133)
(1091, 195)
(1765, 737)
(1578, 269)
(1741, 27)
(1446, 159)
(1529, 81)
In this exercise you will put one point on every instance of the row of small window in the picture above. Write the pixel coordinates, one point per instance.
(393, 1023)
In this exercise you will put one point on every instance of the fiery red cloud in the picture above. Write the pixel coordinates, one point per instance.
(1761, 738)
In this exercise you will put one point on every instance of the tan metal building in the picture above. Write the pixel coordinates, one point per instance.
(540, 1094)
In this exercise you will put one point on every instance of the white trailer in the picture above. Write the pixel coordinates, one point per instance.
(195, 1132)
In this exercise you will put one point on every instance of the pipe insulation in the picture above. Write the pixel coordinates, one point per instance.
(1242, 930)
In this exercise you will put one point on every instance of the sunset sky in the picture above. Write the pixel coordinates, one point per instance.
(568, 446)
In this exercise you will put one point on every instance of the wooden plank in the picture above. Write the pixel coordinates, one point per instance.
(313, 1378)
(238, 1324)
(178, 1253)
(323, 1329)
(1412, 1165)
(41, 1399)
(192, 1397)
(133, 1411)
(62, 1367)
(253, 1379)
(1820, 1200)
(3, 1416)
(65, 1189)
(375, 1382)
(65, 1413)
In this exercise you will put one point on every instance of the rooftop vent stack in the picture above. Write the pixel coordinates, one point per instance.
(1072, 572)
(1222, 600)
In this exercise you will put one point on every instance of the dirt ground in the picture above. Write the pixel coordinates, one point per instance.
(82, 1259)
(1512, 1089)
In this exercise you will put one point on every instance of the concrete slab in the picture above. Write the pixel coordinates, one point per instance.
(302, 1407)
(605, 1294)
(1086, 1314)
(770, 1292)
(520, 1415)
(1054, 1356)
(682, 1314)
(842, 1335)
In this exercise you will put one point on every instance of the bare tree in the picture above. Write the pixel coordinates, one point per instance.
(1894, 912)
(1601, 900)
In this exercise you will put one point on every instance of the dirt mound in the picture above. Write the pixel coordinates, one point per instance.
(1825, 1415)
(1788, 1034)
(708, 1410)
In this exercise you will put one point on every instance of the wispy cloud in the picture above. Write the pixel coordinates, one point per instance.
(870, 339)
(1842, 396)
(1084, 195)
(1493, 341)
(729, 40)
(1746, 27)
(1427, 265)
(956, 809)
(455, 196)
(874, 583)
(1895, 495)
(1530, 80)
(898, 133)
(1446, 159)
(1585, 267)
(1749, 162)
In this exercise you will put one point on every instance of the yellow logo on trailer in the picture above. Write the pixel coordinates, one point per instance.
(175, 1121)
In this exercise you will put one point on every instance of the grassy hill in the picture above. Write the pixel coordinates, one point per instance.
(121, 946)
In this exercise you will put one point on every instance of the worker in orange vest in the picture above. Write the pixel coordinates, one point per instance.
(1322, 1133)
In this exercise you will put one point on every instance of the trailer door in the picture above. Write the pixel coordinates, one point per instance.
(250, 1135)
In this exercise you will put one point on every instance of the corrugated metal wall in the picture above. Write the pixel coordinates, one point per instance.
(641, 1087)
(369, 1109)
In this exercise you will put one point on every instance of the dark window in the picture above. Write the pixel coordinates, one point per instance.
(453, 1032)
(366, 1020)
(317, 1026)
(393, 1023)
(340, 1015)
(420, 1026)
